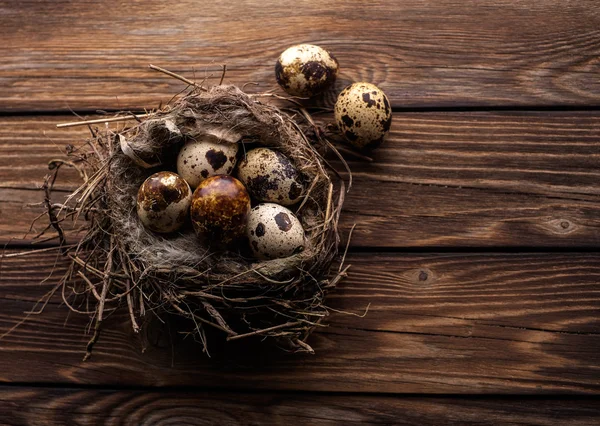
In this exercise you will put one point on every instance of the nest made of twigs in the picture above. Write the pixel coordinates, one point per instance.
(121, 263)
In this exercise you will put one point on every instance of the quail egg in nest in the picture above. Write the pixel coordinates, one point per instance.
(201, 158)
(270, 176)
(219, 211)
(163, 201)
(274, 232)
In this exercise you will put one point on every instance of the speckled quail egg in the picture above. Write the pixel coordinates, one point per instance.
(204, 157)
(270, 176)
(363, 115)
(306, 70)
(219, 211)
(274, 232)
(163, 202)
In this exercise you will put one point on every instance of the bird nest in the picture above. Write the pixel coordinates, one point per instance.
(120, 264)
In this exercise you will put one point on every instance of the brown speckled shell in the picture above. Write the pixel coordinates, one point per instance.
(274, 232)
(199, 159)
(270, 176)
(306, 70)
(363, 115)
(220, 207)
(163, 201)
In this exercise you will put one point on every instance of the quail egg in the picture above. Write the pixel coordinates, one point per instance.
(274, 232)
(163, 202)
(201, 158)
(306, 70)
(363, 115)
(270, 176)
(219, 211)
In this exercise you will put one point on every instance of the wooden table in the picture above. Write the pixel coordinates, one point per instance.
(478, 222)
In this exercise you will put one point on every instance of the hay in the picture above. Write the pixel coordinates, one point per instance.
(120, 263)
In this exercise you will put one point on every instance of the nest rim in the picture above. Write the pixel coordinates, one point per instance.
(113, 274)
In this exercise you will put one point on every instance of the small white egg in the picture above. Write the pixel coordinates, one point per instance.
(201, 158)
(306, 70)
(270, 176)
(274, 232)
(363, 115)
(163, 202)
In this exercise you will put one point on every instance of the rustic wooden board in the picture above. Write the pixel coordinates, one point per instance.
(459, 322)
(441, 180)
(74, 55)
(51, 406)
(437, 323)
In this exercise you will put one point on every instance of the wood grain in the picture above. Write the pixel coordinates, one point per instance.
(450, 337)
(51, 406)
(465, 179)
(437, 323)
(65, 55)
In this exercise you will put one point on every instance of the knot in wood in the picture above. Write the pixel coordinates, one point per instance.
(422, 276)
(560, 226)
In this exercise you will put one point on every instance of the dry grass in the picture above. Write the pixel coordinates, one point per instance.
(119, 264)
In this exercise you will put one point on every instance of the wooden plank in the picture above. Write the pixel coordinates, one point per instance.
(442, 179)
(422, 53)
(437, 323)
(52, 406)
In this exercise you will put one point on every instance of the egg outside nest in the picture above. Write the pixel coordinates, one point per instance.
(363, 115)
(306, 70)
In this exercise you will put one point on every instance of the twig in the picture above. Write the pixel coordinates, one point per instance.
(364, 314)
(273, 95)
(223, 75)
(103, 120)
(90, 284)
(310, 188)
(95, 271)
(57, 162)
(305, 346)
(346, 249)
(177, 76)
(217, 317)
(327, 212)
(199, 318)
(265, 330)
(100, 311)
(28, 253)
(353, 153)
(134, 324)
(51, 214)
(339, 276)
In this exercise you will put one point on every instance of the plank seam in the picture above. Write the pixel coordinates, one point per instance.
(409, 250)
(431, 109)
(574, 396)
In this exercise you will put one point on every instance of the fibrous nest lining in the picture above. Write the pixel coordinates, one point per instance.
(121, 263)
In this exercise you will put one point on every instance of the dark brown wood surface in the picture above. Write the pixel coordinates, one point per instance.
(478, 222)
(88, 55)
(449, 179)
(25, 406)
(436, 323)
